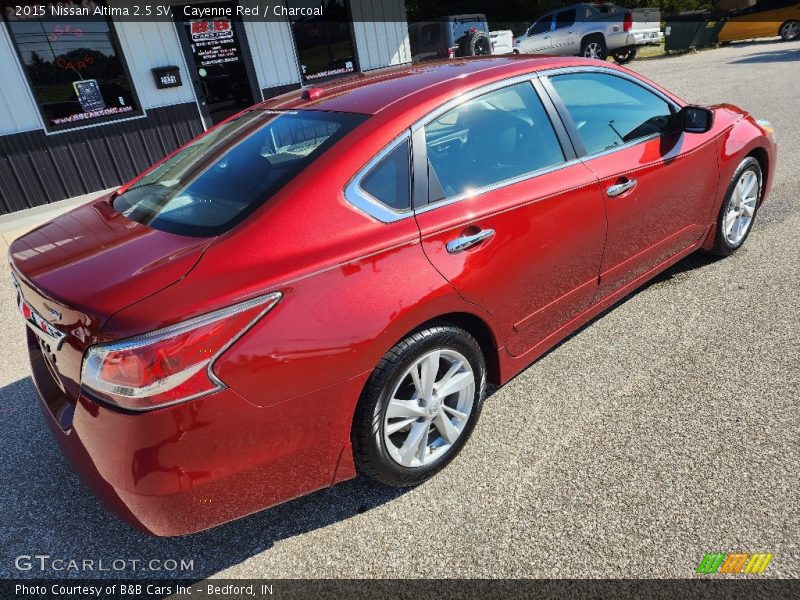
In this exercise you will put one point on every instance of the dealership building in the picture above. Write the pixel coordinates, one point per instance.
(87, 101)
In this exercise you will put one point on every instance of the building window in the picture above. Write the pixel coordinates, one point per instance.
(324, 43)
(75, 68)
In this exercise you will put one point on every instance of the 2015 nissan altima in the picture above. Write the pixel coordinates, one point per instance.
(324, 284)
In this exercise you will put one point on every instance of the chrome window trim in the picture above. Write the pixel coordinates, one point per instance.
(609, 71)
(636, 142)
(366, 202)
(373, 207)
(498, 185)
(455, 102)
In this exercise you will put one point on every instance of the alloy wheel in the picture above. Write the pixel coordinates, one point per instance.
(428, 408)
(624, 57)
(741, 208)
(592, 50)
(482, 48)
(791, 30)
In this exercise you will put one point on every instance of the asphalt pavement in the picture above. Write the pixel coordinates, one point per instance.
(667, 428)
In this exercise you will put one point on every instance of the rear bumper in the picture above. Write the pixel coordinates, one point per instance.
(648, 38)
(192, 466)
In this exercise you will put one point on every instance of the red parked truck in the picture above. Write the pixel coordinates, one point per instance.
(324, 284)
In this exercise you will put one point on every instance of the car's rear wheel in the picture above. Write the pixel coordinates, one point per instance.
(739, 208)
(624, 56)
(594, 46)
(790, 31)
(419, 406)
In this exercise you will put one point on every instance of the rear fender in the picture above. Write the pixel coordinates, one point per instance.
(338, 325)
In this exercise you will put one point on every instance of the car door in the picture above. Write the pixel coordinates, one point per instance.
(658, 182)
(539, 37)
(512, 220)
(564, 39)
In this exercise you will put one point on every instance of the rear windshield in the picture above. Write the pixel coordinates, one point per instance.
(216, 181)
(462, 27)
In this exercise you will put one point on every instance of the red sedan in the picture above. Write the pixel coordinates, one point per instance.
(324, 284)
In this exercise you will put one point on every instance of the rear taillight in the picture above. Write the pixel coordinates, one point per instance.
(627, 21)
(172, 364)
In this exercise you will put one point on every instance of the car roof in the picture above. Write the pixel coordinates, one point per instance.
(396, 87)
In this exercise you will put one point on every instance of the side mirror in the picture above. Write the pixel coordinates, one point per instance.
(695, 119)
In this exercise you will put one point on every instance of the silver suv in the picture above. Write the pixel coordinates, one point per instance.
(593, 30)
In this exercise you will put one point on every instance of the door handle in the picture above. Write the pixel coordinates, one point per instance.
(620, 188)
(468, 241)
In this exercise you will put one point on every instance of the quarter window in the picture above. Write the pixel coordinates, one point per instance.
(74, 65)
(610, 111)
(490, 139)
(390, 180)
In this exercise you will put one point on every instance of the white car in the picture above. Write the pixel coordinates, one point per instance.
(593, 30)
(502, 41)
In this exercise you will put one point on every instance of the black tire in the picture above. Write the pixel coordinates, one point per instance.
(722, 247)
(475, 43)
(597, 42)
(624, 55)
(790, 31)
(369, 447)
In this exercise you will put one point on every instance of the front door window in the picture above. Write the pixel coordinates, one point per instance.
(610, 111)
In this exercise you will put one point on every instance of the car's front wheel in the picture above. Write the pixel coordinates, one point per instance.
(419, 406)
(739, 208)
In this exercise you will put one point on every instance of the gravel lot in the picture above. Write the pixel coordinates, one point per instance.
(665, 429)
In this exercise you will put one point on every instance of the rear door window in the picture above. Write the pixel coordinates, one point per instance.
(490, 139)
(220, 178)
(462, 27)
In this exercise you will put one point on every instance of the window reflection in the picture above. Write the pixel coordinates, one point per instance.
(324, 44)
(75, 68)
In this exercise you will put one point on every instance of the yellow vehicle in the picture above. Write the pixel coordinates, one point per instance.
(766, 18)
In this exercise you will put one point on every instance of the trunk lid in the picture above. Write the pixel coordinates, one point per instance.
(96, 261)
(86, 265)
